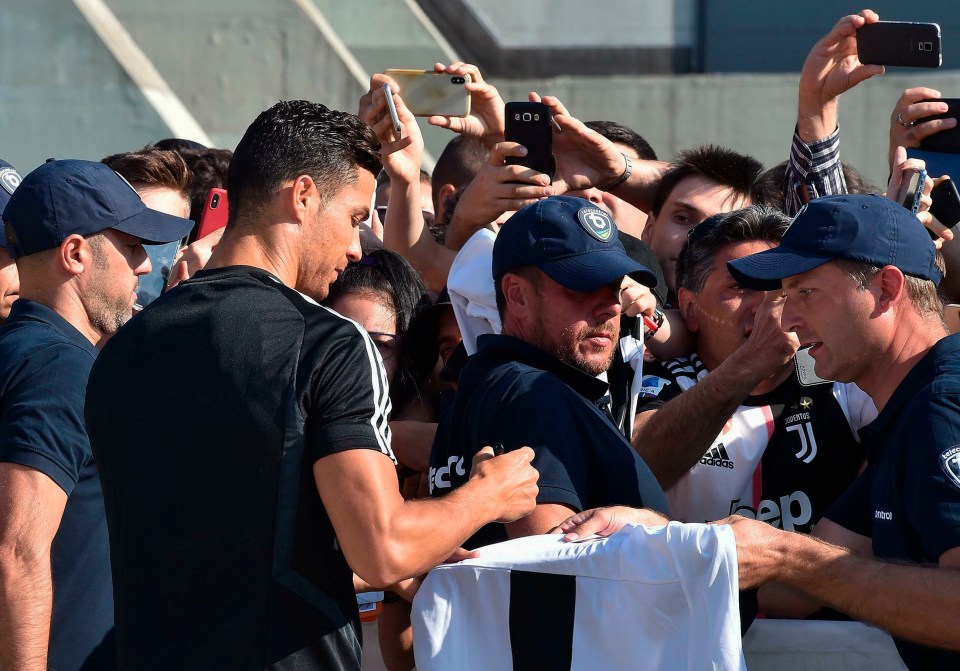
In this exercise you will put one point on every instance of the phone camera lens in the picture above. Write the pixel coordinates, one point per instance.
(458, 80)
(215, 201)
(526, 116)
(516, 117)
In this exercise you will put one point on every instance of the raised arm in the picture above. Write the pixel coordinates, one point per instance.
(674, 437)
(831, 68)
(404, 231)
(31, 507)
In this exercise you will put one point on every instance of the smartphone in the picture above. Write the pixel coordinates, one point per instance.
(951, 315)
(530, 125)
(392, 109)
(911, 189)
(947, 141)
(946, 203)
(215, 213)
(899, 43)
(428, 93)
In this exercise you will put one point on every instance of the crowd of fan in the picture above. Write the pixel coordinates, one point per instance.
(545, 346)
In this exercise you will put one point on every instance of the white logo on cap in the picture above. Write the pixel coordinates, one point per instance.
(950, 463)
(596, 222)
(9, 179)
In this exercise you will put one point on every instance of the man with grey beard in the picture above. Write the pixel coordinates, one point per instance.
(558, 268)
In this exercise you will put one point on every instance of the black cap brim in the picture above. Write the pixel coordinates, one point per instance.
(155, 228)
(590, 271)
(765, 270)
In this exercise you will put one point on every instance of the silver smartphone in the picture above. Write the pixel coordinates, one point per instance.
(392, 108)
(428, 93)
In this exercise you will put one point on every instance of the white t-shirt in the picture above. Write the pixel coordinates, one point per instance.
(470, 285)
(645, 598)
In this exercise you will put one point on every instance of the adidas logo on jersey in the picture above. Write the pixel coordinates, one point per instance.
(717, 456)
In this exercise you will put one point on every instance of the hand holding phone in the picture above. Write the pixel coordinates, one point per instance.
(911, 188)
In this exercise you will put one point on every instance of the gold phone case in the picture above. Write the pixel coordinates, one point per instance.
(427, 93)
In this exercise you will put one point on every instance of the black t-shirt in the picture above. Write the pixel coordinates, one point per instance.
(206, 413)
(783, 457)
(515, 394)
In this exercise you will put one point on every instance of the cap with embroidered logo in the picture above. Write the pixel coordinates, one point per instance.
(866, 228)
(574, 242)
(63, 198)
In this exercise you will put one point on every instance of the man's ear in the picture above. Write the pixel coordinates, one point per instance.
(890, 286)
(687, 301)
(444, 192)
(516, 291)
(648, 228)
(302, 192)
(74, 254)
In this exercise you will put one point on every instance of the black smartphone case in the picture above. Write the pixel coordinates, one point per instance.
(529, 124)
(946, 203)
(911, 45)
(946, 141)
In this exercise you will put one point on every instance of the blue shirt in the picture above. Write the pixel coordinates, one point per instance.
(908, 498)
(44, 365)
(513, 393)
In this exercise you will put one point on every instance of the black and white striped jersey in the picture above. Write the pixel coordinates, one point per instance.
(206, 414)
(783, 457)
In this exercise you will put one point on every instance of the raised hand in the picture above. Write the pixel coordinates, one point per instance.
(485, 120)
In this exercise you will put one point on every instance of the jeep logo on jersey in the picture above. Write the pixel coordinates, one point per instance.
(596, 222)
(950, 463)
(9, 180)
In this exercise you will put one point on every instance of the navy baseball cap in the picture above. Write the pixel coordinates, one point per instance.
(62, 198)
(9, 181)
(866, 228)
(574, 242)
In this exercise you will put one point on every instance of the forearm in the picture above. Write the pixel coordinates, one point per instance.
(26, 596)
(816, 120)
(405, 232)
(640, 189)
(412, 442)
(911, 602)
(424, 533)
(672, 439)
(462, 227)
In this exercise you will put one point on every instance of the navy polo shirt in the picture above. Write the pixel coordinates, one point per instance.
(908, 498)
(515, 394)
(44, 365)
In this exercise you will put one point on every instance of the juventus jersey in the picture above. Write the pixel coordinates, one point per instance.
(647, 597)
(783, 457)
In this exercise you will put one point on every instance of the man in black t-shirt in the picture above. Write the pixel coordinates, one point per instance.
(254, 471)
(558, 267)
(730, 428)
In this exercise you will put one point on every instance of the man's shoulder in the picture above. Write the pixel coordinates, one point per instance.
(38, 348)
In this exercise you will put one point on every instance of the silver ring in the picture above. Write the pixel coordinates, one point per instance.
(902, 122)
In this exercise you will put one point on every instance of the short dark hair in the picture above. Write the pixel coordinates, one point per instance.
(459, 162)
(383, 272)
(620, 134)
(726, 167)
(151, 167)
(208, 170)
(707, 238)
(293, 138)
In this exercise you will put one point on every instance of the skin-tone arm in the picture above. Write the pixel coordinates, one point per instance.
(193, 257)
(31, 507)
(673, 438)
(913, 602)
(586, 159)
(496, 189)
(386, 539)
(545, 517)
(672, 339)
(404, 230)
(831, 68)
